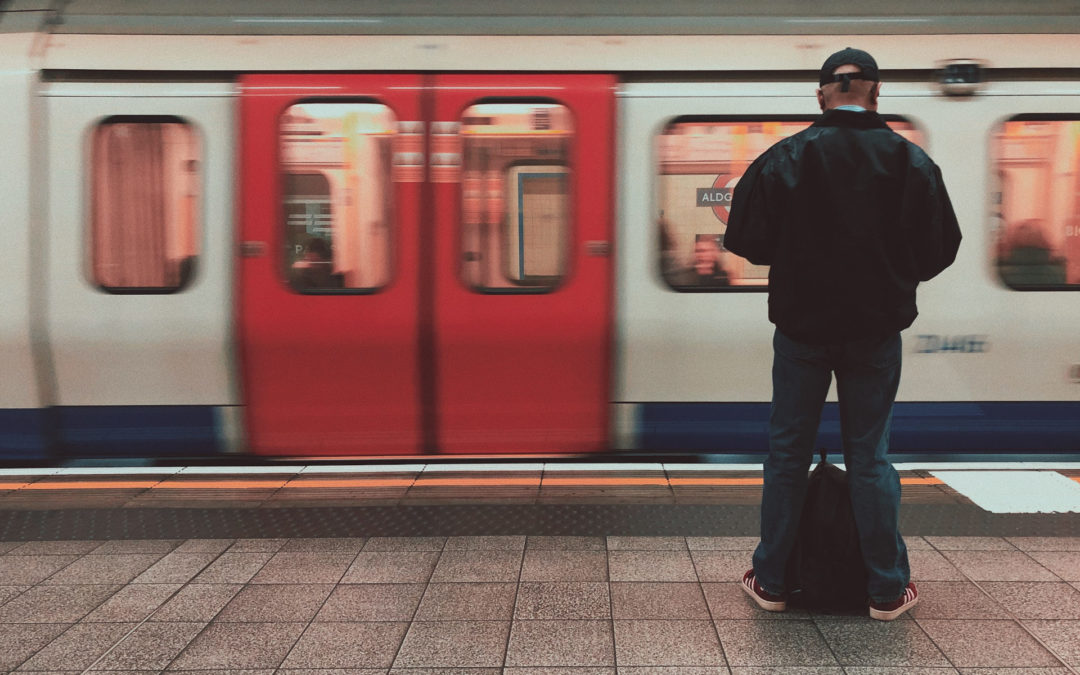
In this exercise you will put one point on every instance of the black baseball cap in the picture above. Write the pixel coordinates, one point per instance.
(867, 67)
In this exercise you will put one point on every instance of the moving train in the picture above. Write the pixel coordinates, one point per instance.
(372, 229)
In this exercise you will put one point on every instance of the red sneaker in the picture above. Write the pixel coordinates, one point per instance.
(765, 600)
(887, 611)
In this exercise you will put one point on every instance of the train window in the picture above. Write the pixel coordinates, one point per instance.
(1037, 202)
(700, 161)
(145, 204)
(337, 196)
(515, 196)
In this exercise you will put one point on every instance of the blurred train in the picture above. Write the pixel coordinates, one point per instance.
(372, 229)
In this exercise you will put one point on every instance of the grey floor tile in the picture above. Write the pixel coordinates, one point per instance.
(564, 565)
(446, 671)
(388, 567)
(175, 568)
(233, 568)
(325, 545)
(463, 644)
(1015, 671)
(467, 602)
(722, 543)
(729, 601)
(372, 602)
(898, 670)
(304, 568)
(10, 592)
(366, 644)
(19, 570)
(560, 670)
(667, 643)
(970, 543)
(104, 569)
(126, 546)
(55, 604)
(478, 566)
(878, 643)
(133, 602)
(917, 544)
(955, 600)
(774, 643)
(721, 566)
(289, 603)
(932, 566)
(998, 566)
(22, 640)
(651, 566)
(233, 646)
(151, 646)
(790, 670)
(1036, 599)
(1062, 637)
(6, 546)
(405, 544)
(78, 646)
(196, 602)
(329, 671)
(1045, 543)
(563, 600)
(1065, 564)
(673, 670)
(54, 547)
(986, 643)
(258, 545)
(646, 544)
(515, 543)
(565, 543)
(561, 643)
(239, 671)
(204, 546)
(658, 600)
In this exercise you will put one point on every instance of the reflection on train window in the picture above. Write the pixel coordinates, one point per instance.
(145, 204)
(1037, 202)
(337, 196)
(700, 161)
(515, 196)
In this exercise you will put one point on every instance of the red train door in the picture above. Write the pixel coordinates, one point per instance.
(385, 309)
(331, 173)
(522, 169)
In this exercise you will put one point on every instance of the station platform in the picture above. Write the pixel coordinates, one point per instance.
(524, 568)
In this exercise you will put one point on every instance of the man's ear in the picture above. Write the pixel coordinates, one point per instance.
(875, 91)
(821, 100)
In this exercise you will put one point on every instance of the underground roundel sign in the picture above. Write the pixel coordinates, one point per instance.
(718, 197)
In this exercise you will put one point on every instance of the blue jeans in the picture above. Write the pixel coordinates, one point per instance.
(867, 376)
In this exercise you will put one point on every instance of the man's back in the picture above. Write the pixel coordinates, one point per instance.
(851, 217)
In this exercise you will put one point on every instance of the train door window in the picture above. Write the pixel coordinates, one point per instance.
(337, 196)
(700, 160)
(145, 204)
(515, 196)
(1037, 202)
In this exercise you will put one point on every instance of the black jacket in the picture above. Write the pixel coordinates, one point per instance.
(851, 217)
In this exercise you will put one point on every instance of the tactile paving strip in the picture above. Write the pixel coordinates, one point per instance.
(480, 519)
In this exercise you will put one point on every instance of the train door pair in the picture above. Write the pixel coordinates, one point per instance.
(424, 263)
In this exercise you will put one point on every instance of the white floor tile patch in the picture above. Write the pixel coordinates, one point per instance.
(1016, 491)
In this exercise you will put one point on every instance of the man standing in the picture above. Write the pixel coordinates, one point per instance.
(851, 217)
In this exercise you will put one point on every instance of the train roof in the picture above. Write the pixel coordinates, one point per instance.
(542, 17)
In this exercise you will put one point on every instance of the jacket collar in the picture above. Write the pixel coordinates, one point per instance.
(851, 119)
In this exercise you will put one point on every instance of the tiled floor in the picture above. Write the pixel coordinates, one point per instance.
(517, 605)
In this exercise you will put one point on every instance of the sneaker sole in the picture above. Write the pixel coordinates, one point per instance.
(889, 616)
(767, 605)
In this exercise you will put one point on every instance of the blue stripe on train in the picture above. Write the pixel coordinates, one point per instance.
(109, 431)
(137, 431)
(916, 427)
(22, 434)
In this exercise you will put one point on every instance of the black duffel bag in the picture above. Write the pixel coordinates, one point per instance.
(826, 570)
